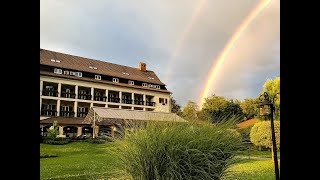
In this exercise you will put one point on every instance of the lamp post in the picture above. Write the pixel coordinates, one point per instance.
(266, 108)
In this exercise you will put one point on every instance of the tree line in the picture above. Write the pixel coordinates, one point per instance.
(217, 107)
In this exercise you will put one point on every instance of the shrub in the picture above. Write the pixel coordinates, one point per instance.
(245, 133)
(56, 141)
(53, 130)
(167, 150)
(260, 134)
(96, 141)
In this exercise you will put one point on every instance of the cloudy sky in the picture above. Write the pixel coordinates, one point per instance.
(178, 39)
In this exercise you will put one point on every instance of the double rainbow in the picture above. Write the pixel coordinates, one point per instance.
(226, 50)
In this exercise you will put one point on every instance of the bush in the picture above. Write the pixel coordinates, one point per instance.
(96, 141)
(56, 141)
(260, 134)
(179, 151)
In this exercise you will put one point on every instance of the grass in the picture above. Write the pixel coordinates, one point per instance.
(83, 160)
(256, 153)
(79, 160)
(253, 170)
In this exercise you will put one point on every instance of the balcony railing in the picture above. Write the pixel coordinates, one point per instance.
(149, 103)
(85, 96)
(68, 95)
(66, 113)
(138, 102)
(100, 98)
(82, 114)
(48, 112)
(127, 101)
(113, 99)
(47, 92)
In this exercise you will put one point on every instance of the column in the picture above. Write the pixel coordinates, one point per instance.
(92, 93)
(107, 92)
(76, 91)
(120, 96)
(61, 132)
(59, 89)
(132, 97)
(91, 105)
(112, 130)
(58, 107)
(79, 132)
(96, 131)
(40, 105)
(41, 87)
(144, 101)
(75, 109)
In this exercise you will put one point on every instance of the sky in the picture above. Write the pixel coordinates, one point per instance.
(178, 39)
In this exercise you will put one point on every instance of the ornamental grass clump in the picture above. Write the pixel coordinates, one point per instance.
(168, 150)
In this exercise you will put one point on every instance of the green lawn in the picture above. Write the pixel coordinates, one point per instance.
(83, 160)
(79, 160)
(253, 170)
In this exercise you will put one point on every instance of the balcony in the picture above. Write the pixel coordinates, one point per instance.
(85, 96)
(127, 101)
(66, 113)
(68, 95)
(48, 112)
(114, 99)
(49, 92)
(100, 98)
(149, 103)
(138, 102)
(82, 114)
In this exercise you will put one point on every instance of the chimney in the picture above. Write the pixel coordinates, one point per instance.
(142, 66)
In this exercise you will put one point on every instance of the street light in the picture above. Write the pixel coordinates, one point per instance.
(266, 108)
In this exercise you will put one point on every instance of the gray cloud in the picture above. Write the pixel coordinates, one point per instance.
(149, 31)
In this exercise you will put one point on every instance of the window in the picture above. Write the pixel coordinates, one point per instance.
(131, 82)
(72, 73)
(66, 72)
(49, 87)
(116, 80)
(151, 78)
(166, 101)
(68, 91)
(57, 71)
(65, 108)
(161, 100)
(158, 86)
(92, 67)
(79, 74)
(98, 77)
(144, 84)
(125, 73)
(54, 60)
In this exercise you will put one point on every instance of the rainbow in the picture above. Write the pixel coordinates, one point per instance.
(195, 15)
(232, 41)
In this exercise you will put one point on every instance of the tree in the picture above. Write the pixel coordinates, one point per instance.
(272, 87)
(249, 107)
(175, 108)
(190, 110)
(260, 134)
(53, 130)
(218, 108)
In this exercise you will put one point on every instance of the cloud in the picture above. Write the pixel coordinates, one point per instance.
(142, 30)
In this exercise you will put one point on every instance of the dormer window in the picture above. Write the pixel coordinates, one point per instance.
(151, 78)
(93, 67)
(57, 71)
(131, 82)
(66, 72)
(97, 77)
(78, 74)
(116, 80)
(158, 86)
(125, 73)
(54, 60)
(144, 84)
